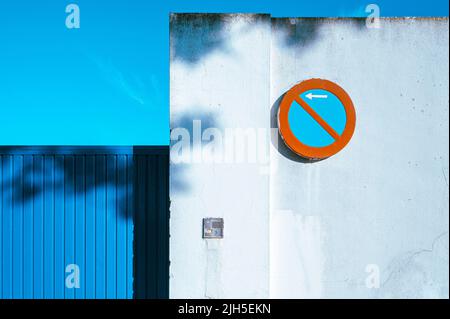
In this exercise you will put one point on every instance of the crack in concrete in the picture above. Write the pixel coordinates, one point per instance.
(414, 254)
(445, 177)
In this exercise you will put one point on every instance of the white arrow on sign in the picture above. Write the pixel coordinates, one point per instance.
(316, 96)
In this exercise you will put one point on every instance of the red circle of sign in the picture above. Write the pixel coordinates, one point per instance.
(293, 142)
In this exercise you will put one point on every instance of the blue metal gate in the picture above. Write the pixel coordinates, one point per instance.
(81, 222)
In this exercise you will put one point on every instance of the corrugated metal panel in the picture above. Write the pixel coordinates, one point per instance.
(152, 227)
(69, 205)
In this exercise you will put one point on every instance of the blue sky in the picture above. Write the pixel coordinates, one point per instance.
(107, 83)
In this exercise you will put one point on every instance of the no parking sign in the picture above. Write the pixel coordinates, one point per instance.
(316, 119)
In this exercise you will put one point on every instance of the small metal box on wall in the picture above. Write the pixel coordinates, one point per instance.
(213, 228)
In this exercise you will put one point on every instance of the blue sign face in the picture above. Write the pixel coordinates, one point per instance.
(306, 128)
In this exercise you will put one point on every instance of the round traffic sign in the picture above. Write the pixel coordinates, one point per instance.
(316, 118)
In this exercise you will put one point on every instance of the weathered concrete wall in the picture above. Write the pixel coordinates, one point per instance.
(383, 201)
(380, 204)
(219, 78)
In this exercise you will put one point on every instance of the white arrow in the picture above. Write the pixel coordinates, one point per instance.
(316, 96)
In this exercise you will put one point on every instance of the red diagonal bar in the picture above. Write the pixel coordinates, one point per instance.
(318, 119)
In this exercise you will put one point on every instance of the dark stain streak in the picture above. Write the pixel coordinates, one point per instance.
(193, 36)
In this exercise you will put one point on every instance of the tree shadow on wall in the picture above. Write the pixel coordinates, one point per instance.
(193, 36)
(74, 171)
(193, 124)
(300, 33)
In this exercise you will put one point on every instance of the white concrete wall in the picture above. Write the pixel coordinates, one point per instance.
(219, 75)
(383, 200)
